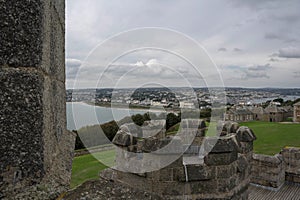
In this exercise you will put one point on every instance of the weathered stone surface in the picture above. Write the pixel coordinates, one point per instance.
(267, 160)
(132, 128)
(154, 128)
(226, 171)
(21, 33)
(220, 158)
(227, 184)
(38, 149)
(217, 175)
(291, 158)
(227, 127)
(208, 186)
(199, 172)
(21, 145)
(245, 134)
(151, 145)
(246, 147)
(124, 139)
(221, 145)
(103, 189)
(242, 164)
(268, 170)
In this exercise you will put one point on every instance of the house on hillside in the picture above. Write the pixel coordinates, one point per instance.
(259, 113)
(275, 114)
(239, 115)
(297, 112)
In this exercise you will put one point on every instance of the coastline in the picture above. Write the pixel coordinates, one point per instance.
(126, 107)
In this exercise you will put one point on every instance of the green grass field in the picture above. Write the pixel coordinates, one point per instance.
(88, 166)
(272, 137)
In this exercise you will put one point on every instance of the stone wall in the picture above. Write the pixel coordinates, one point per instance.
(274, 171)
(221, 173)
(36, 149)
(268, 171)
(291, 158)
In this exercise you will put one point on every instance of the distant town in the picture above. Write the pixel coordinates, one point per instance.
(243, 104)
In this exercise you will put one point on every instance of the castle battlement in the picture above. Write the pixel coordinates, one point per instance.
(220, 170)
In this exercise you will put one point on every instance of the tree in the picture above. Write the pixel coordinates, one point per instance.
(172, 119)
(279, 100)
(138, 119)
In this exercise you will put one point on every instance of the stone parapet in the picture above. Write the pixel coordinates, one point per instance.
(291, 158)
(219, 169)
(268, 171)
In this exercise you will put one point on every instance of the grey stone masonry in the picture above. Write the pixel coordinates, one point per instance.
(222, 173)
(291, 158)
(268, 171)
(36, 149)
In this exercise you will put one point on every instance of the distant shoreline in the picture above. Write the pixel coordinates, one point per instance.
(125, 106)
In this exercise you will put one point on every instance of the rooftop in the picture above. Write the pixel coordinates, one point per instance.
(289, 191)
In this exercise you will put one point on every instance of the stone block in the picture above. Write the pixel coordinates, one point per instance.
(204, 187)
(226, 171)
(245, 147)
(178, 174)
(21, 28)
(220, 158)
(21, 130)
(245, 134)
(228, 127)
(124, 139)
(199, 172)
(132, 128)
(221, 145)
(268, 170)
(227, 184)
(242, 163)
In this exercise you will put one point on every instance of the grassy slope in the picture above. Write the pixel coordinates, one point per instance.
(87, 167)
(272, 137)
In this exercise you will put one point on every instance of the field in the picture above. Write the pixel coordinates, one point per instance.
(87, 167)
(271, 138)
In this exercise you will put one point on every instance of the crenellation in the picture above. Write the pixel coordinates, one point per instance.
(224, 173)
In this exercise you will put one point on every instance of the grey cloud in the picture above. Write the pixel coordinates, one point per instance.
(222, 49)
(288, 18)
(289, 52)
(274, 60)
(251, 72)
(237, 50)
(260, 67)
(256, 71)
(272, 36)
(297, 74)
(72, 67)
(282, 37)
(281, 28)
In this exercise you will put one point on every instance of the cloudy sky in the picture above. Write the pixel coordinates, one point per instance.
(253, 43)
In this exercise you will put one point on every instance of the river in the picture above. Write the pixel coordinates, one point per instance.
(81, 114)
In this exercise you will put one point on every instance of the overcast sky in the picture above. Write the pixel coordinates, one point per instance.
(254, 43)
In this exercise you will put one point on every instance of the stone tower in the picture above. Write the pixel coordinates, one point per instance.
(36, 149)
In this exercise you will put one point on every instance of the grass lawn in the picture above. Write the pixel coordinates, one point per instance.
(272, 137)
(87, 167)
